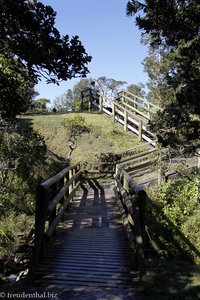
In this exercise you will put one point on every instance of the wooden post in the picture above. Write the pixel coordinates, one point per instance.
(138, 235)
(148, 112)
(65, 182)
(90, 100)
(53, 213)
(40, 218)
(74, 171)
(101, 103)
(114, 112)
(140, 130)
(122, 96)
(125, 120)
(125, 183)
(142, 208)
(71, 185)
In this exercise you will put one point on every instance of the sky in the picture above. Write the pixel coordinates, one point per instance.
(108, 35)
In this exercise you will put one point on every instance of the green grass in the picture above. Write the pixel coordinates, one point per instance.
(104, 137)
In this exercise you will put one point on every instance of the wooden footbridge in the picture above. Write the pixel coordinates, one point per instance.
(89, 235)
(93, 239)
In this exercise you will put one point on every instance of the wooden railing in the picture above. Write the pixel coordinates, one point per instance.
(55, 192)
(133, 201)
(90, 97)
(130, 111)
(137, 104)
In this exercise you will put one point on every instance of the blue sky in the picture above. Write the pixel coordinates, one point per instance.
(108, 35)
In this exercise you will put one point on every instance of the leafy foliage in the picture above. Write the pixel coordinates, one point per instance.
(136, 89)
(21, 148)
(40, 104)
(16, 88)
(27, 31)
(173, 216)
(109, 87)
(32, 47)
(173, 31)
(75, 127)
(11, 225)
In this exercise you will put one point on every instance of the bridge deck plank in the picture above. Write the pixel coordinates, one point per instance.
(90, 248)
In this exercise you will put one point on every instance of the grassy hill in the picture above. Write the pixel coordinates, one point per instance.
(105, 136)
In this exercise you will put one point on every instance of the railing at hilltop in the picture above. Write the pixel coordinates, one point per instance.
(90, 97)
(51, 194)
(130, 111)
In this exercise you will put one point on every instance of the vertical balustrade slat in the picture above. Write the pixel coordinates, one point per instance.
(42, 201)
(138, 235)
(136, 208)
(140, 130)
(71, 185)
(101, 103)
(114, 112)
(125, 120)
(53, 193)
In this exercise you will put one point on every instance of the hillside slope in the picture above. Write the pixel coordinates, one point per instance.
(105, 136)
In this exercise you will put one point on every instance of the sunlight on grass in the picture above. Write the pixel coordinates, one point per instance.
(105, 136)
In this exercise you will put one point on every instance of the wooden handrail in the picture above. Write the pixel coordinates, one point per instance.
(46, 184)
(137, 156)
(138, 98)
(59, 189)
(133, 198)
(131, 110)
(134, 123)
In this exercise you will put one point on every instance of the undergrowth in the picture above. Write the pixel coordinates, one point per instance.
(173, 216)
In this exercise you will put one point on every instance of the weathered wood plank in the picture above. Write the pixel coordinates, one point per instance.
(90, 247)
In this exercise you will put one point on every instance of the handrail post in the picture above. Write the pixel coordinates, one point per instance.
(138, 235)
(142, 209)
(114, 112)
(125, 120)
(66, 179)
(40, 218)
(53, 213)
(70, 176)
(140, 130)
(122, 96)
(90, 101)
(125, 183)
(101, 103)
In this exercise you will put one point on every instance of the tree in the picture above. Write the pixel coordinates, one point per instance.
(41, 104)
(80, 86)
(16, 88)
(64, 102)
(32, 47)
(27, 31)
(109, 87)
(75, 127)
(137, 90)
(21, 149)
(174, 27)
(157, 64)
(71, 100)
